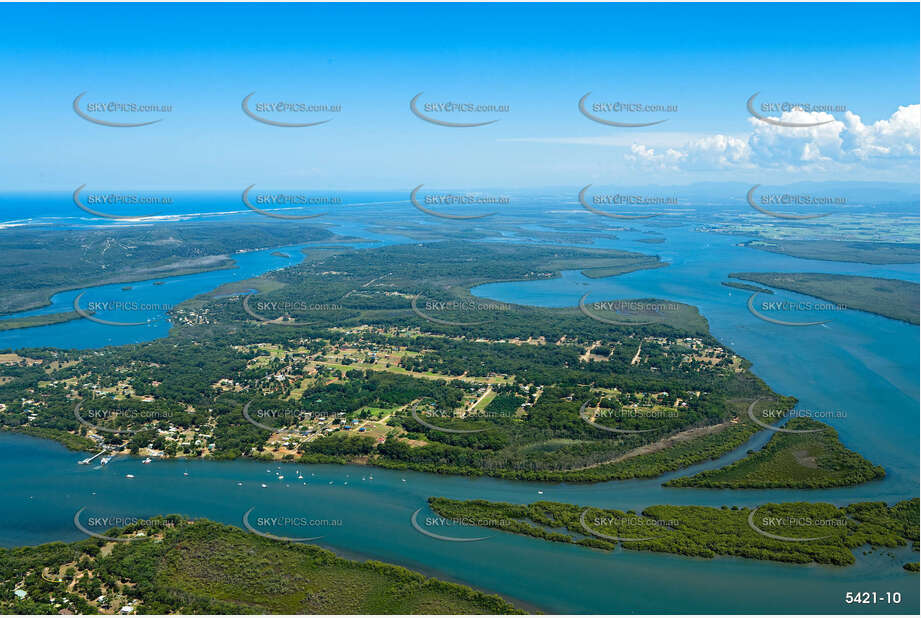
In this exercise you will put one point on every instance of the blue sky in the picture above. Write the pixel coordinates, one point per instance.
(706, 59)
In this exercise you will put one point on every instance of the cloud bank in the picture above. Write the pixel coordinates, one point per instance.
(838, 145)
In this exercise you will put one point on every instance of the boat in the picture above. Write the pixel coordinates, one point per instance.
(280, 477)
(540, 491)
(129, 476)
(185, 474)
(264, 485)
(299, 477)
(238, 484)
(147, 460)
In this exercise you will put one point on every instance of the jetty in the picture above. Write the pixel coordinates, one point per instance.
(89, 460)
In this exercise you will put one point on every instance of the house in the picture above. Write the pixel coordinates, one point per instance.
(20, 594)
(126, 609)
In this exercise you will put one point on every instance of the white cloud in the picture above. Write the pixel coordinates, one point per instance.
(839, 144)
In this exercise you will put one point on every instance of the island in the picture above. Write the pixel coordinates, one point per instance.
(891, 298)
(842, 250)
(798, 532)
(45, 319)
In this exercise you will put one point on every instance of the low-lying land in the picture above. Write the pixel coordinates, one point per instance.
(791, 460)
(382, 357)
(746, 286)
(39, 320)
(61, 260)
(799, 532)
(173, 566)
(842, 250)
(891, 298)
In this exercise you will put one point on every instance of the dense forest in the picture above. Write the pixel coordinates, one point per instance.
(707, 532)
(794, 460)
(203, 567)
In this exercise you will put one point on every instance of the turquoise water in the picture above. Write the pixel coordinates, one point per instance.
(864, 365)
(145, 301)
(43, 489)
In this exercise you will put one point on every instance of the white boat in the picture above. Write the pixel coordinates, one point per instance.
(280, 477)
(185, 474)
(299, 477)
(264, 485)
(147, 461)
(129, 476)
(238, 484)
(540, 491)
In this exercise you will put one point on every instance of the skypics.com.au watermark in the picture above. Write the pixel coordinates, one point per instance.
(95, 524)
(265, 203)
(789, 203)
(112, 112)
(467, 205)
(625, 205)
(454, 307)
(438, 112)
(630, 413)
(646, 526)
(294, 527)
(635, 520)
(255, 309)
(451, 525)
(85, 415)
(102, 204)
(122, 306)
(615, 113)
(795, 528)
(626, 307)
(786, 307)
(285, 416)
(284, 112)
(440, 414)
(777, 414)
(792, 114)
